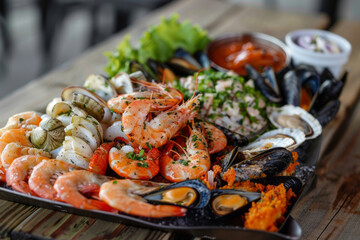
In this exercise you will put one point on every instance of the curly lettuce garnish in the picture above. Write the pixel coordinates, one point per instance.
(158, 43)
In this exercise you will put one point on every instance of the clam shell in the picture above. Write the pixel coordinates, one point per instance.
(291, 110)
(122, 83)
(286, 137)
(71, 94)
(101, 86)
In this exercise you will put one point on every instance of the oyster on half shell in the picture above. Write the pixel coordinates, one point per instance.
(290, 116)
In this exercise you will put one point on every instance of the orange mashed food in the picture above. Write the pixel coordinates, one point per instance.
(268, 212)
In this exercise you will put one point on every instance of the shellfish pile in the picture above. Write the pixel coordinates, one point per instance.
(108, 138)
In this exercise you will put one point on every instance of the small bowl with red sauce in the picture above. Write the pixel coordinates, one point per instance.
(234, 51)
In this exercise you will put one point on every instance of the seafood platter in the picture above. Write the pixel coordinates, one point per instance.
(183, 134)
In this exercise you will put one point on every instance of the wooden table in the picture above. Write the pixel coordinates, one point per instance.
(330, 211)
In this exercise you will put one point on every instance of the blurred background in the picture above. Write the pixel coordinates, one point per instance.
(39, 35)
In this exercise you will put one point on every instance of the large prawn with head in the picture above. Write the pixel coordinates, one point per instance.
(189, 162)
(156, 132)
(124, 195)
(162, 97)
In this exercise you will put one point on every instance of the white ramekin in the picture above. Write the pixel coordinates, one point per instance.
(333, 61)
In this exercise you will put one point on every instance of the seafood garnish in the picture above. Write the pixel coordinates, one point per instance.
(189, 193)
(122, 194)
(101, 86)
(226, 201)
(290, 116)
(286, 137)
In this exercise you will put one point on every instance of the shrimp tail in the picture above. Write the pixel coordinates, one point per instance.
(22, 187)
(91, 204)
(2, 174)
(99, 161)
(168, 211)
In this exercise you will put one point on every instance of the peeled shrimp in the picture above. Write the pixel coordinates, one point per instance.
(143, 165)
(44, 174)
(161, 128)
(162, 96)
(19, 136)
(68, 185)
(15, 150)
(19, 171)
(191, 165)
(26, 120)
(123, 195)
(12, 136)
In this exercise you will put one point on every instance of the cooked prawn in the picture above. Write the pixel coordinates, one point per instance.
(44, 174)
(26, 120)
(19, 171)
(15, 150)
(162, 96)
(99, 161)
(123, 195)
(215, 138)
(68, 185)
(12, 136)
(191, 165)
(19, 136)
(135, 165)
(161, 128)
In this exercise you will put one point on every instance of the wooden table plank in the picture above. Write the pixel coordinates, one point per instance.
(49, 224)
(333, 206)
(11, 215)
(351, 92)
(272, 22)
(331, 210)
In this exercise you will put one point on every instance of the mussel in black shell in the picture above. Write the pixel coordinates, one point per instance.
(226, 201)
(190, 193)
(267, 84)
(267, 163)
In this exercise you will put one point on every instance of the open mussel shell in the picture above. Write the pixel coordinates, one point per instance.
(161, 71)
(286, 137)
(202, 58)
(328, 112)
(290, 116)
(267, 85)
(268, 163)
(88, 101)
(227, 201)
(189, 193)
(310, 87)
(183, 64)
(329, 90)
(291, 88)
(101, 86)
(135, 67)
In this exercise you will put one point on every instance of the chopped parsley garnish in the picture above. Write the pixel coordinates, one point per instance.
(140, 156)
(21, 120)
(148, 145)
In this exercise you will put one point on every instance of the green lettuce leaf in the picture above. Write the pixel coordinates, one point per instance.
(119, 60)
(158, 43)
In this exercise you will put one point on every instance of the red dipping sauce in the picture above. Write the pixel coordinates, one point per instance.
(235, 51)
